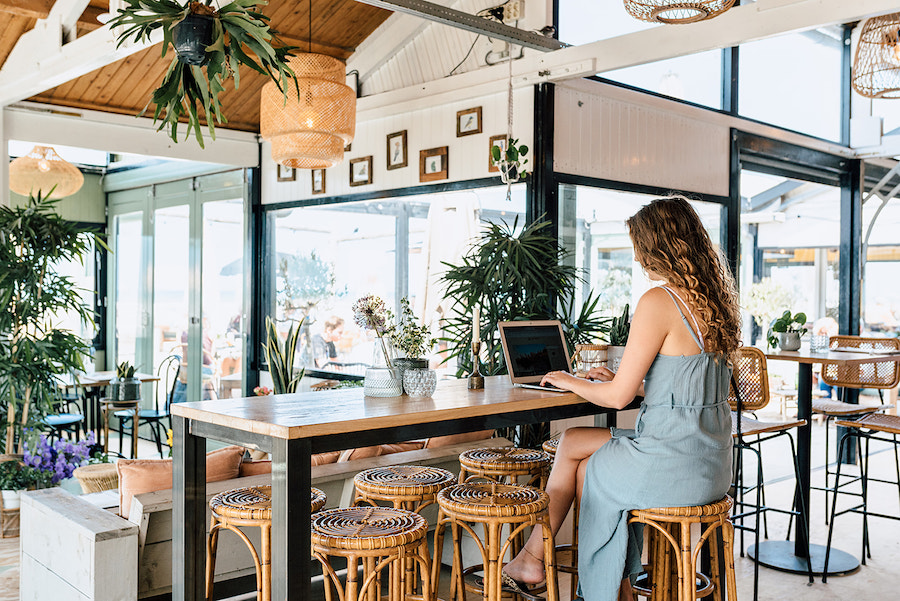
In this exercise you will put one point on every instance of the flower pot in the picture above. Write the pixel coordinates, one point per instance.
(401, 364)
(382, 382)
(614, 356)
(125, 389)
(419, 382)
(12, 499)
(190, 38)
(789, 341)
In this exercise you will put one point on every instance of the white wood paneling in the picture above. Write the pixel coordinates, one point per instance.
(627, 141)
(429, 127)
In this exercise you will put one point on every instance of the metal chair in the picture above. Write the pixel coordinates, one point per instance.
(750, 392)
(66, 420)
(167, 372)
(879, 375)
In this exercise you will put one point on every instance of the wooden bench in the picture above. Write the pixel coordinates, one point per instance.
(151, 513)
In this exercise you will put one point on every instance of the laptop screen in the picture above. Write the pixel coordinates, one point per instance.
(532, 349)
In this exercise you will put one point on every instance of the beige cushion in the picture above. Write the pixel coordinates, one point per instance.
(445, 441)
(379, 450)
(138, 476)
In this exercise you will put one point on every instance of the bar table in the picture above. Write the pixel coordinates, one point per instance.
(294, 426)
(792, 556)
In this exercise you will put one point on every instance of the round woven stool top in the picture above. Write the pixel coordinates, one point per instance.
(249, 503)
(695, 511)
(550, 446)
(255, 502)
(403, 480)
(97, 477)
(317, 500)
(505, 458)
(366, 528)
(489, 499)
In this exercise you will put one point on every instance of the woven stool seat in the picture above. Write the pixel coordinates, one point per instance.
(840, 408)
(367, 528)
(251, 503)
(316, 500)
(890, 424)
(496, 507)
(97, 477)
(674, 555)
(550, 446)
(404, 480)
(375, 538)
(505, 464)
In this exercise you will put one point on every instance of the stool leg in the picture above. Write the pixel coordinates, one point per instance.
(550, 575)
(686, 571)
(458, 584)
(493, 562)
(266, 563)
(837, 482)
(727, 531)
(135, 422)
(212, 541)
(438, 551)
(352, 587)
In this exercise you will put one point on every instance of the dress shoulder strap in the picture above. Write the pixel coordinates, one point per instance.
(695, 334)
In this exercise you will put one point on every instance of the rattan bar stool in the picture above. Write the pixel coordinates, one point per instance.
(410, 487)
(567, 554)
(674, 560)
(880, 375)
(494, 506)
(874, 426)
(505, 465)
(377, 538)
(250, 506)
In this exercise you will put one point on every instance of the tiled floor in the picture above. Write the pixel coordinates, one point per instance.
(876, 580)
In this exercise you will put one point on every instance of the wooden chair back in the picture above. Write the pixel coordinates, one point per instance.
(878, 374)
(752, 377)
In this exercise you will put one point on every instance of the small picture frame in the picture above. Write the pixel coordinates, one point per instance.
(286, 174)
(499, 141)
(361, 171)
(318, 181)
(396, 150)
(468, 122)
(433, 164)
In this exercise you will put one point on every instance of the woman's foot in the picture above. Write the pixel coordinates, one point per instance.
(526, 567)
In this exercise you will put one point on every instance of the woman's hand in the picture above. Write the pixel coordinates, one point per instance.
(601, 374)
(560, 379)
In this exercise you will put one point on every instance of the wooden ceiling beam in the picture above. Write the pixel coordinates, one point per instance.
(340, 52)
(40, 9)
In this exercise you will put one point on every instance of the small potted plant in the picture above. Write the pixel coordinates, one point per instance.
(280, 358)
(409, 339)
(789, 329)
(511, 161)
(53, 462)
(15, 477)
(618, 338)
(125, 387)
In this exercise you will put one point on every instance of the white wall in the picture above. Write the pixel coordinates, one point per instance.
(426, 128)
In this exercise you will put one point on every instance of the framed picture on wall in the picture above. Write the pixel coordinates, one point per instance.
(318, 181)
(468, 122)
(286, 174)
(396, 150)
(361, 171)
(433, 164)
(500, 142)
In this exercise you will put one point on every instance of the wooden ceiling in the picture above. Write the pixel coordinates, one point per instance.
(338, 27)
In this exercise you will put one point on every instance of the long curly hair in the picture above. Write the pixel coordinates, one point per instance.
(670, 240)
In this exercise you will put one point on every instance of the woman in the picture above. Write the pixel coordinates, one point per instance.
(677, 357)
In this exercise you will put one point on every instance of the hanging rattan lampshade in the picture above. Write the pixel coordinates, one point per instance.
(676, 11)
(309, 133)
(876, 67)
(40, 170)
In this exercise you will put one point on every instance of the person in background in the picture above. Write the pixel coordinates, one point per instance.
(678, 357)
(324, 348)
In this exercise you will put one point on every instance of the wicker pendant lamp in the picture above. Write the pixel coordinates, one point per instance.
(675, 12)
(309, 131)
(876, 66)
(42, 169)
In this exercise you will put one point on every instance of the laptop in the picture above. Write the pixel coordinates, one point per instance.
(533, 348)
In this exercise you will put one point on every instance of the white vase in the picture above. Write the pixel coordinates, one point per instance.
(614, 356)
(382, 382)
(12, 499)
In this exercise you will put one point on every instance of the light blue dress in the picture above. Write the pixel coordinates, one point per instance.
(679, 454)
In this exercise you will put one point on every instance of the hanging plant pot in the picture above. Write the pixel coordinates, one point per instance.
(190, 38)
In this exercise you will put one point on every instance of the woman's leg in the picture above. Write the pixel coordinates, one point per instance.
(566, 478)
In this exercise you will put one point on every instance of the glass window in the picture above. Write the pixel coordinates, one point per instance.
(128, 273)
(596, 235)
(794, 81)
(328, 256)
(81, 273)
(790, 238)
(586, 21)
(696, 78)
(880, 295)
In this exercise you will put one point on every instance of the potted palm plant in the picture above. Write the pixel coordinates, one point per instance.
(210, 47)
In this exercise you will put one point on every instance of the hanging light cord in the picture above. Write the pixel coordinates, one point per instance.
(509, 120)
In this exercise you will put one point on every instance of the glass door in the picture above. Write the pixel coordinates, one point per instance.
(128, 308)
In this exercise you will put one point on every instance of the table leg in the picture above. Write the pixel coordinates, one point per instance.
(793, 557)
(189, 513)
(291, 481)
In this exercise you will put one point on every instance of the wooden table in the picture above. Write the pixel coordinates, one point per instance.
(93, 384)
(784, 555)
(294, 426)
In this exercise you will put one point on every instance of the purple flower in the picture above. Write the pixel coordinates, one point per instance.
(59, 460)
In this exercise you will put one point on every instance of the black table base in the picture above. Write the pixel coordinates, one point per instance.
(779, 555)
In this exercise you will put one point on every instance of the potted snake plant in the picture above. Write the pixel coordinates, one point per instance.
(210, 46)
(618, 338)
(125, 386)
